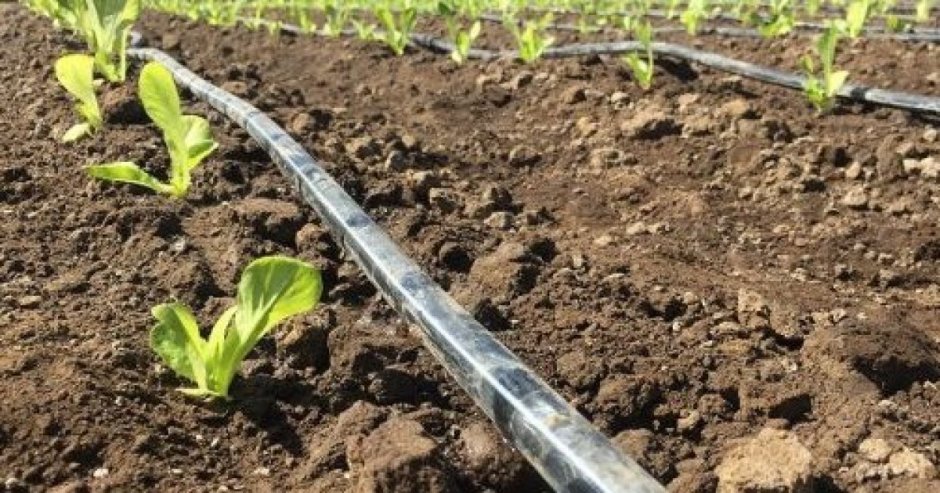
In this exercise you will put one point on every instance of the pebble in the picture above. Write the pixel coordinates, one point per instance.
(31, 301)
(875, 449)
(619, 98)
(911, 464)
(856, 198)
(773, 460)
(101, 472)
(930, 135)
(574, 95)
(854, 171)
(499, 220)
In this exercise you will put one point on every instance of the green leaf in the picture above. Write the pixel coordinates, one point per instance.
(272, 289)
(76, 74)
(127, 172)
(835, 82)
(77, 131)
(160, 98)
(198, 139)
(176, 340)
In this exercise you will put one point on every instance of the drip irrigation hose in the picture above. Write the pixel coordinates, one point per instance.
(920, 34)
(895, 99)
(567, 451)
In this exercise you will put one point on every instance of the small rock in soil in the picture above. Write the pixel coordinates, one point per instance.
(237, 88)
(650, 123)
(854, 171)
(635, 443)
(774, 460)
(485, 454)
(31, 301)
(875, 450)
(574, 95)
(363, 147)
(753, 310)
(619, 98)
(930, 135)
(523, 155)
(170, 41)
(911, 464)
(398, 456)
(927, 167)
(419, 182)
(737, 109)
(499, 220)
(855, 198)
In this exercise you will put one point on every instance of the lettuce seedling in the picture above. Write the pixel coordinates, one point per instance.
(271, 289)
(922, 10)
(531, 39)
(695, 12)
(461, 39)
(821, 89)
(106, 26)
(76, 74)
(188, 137)
(642, 68)
(398, 28)
(855, 16)
(337, 15)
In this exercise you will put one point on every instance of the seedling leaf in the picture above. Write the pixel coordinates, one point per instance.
(176, 339)
(127, 172)
(76, 74)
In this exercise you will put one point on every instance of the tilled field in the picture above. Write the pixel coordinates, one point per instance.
(714, 275)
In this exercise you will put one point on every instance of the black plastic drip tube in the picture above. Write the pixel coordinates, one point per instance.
(918, 35)
(567, 451)
(883, 97)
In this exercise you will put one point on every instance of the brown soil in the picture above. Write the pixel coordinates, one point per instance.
(688, 266)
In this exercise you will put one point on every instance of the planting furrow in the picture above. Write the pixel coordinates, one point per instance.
(569, 453)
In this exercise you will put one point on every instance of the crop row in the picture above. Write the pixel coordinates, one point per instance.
(530, 24)
(271, 288)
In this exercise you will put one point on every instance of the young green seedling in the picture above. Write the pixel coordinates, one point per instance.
(694, 13)
(821, 89)
(642, 68)
(922, 10)
(531, 39)
(855, 16)
(106, 26)
(398, 27)
(365, 31)
(461, 39)
(76, 74)
(188, 137)
(271, 289)
(337, 15)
